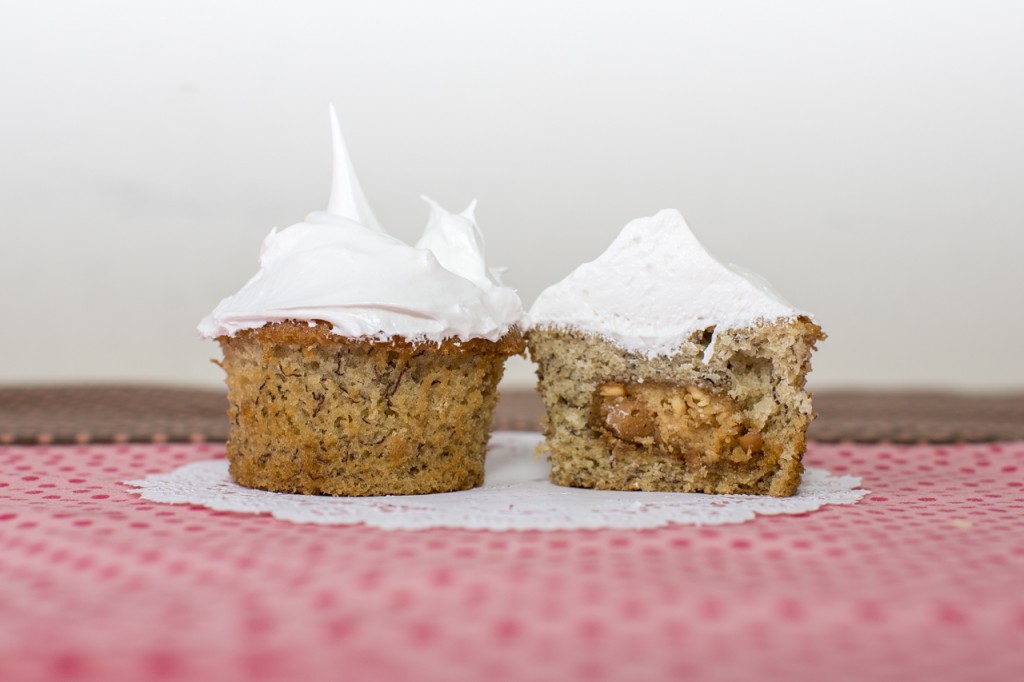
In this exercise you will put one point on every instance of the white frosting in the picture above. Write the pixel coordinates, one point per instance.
(339, 266)
(654, 287)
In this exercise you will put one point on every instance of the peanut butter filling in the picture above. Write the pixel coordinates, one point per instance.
(685, 421)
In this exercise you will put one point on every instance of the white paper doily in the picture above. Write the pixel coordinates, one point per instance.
(516, 495)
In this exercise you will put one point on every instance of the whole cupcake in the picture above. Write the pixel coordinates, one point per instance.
(359, 365)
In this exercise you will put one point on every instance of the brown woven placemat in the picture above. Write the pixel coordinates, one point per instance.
(103, 414)
(111, 414)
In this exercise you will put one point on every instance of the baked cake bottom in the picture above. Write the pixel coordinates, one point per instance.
(316, 413)
(618, 420)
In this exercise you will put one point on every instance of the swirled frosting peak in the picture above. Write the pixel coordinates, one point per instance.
(339, 266)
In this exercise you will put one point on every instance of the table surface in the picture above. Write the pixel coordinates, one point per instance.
(924, 579)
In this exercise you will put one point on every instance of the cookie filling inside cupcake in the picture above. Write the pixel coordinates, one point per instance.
(682, 420)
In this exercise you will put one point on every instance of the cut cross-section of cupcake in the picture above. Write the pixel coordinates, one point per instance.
(360, 365)
(664, 369)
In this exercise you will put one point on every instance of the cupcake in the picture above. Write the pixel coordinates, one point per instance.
(359, 365)
(663, 369)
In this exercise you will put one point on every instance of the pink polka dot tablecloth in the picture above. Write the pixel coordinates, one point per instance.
(922, 580)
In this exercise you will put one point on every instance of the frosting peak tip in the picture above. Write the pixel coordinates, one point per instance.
(347, 198)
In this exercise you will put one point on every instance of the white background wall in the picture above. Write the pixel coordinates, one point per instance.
(866, 157)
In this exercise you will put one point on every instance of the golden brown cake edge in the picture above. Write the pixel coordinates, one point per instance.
(317, 413)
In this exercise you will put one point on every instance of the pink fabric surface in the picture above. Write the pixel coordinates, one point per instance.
(923, 580)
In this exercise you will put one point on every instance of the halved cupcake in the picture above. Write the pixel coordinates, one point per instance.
(663, 369)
